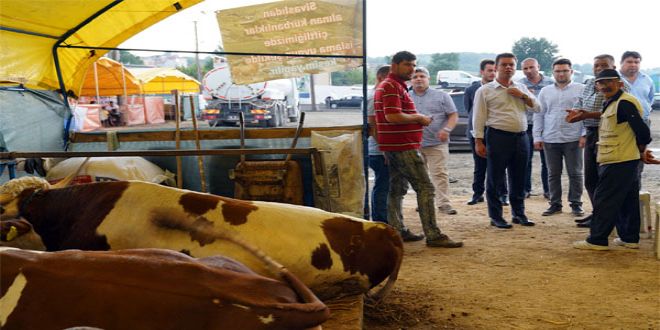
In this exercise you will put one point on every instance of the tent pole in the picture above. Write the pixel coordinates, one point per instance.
(200, 158)
(96, 84)
(177, 141)
(123, 79)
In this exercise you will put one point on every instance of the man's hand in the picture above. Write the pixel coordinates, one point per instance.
(443, 135)
(538, 145)
(582, 142)
(515, 92)
(424, 120)
(480, 148)
(648, 158)
(575, 115)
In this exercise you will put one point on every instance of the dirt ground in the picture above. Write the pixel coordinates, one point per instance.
(524, 278)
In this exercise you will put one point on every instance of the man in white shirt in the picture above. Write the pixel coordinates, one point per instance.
(561, 141)
(501, 106)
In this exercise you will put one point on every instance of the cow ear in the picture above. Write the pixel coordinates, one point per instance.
(10, 229)
(69, 178)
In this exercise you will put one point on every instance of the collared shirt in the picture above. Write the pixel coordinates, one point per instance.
(495, 108)
(642, 88)
(536, 89)
(392, 97)
(437, 105)
(371, 112)
(550, 125)
(591, 100)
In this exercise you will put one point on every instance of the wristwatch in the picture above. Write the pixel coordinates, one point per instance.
(447, 129)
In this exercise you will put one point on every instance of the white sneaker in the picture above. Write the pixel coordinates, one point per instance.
(584, 245)
(619, 242)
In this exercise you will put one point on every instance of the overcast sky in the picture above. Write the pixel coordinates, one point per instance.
(580, 28)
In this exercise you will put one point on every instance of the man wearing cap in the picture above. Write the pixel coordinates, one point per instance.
(623, 137)
(400, 128)
(435, 139)
(588, 108)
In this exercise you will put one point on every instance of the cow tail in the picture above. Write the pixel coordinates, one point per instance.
(389, 285)
(69, 178)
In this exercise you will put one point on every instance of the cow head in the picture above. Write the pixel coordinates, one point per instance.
(10, 191)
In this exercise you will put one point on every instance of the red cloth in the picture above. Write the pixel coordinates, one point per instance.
(154, 109)
(391, 97)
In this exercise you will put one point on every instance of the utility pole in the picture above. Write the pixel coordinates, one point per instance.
(199, 69)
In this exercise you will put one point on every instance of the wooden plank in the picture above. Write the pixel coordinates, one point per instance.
(346, 313)
(224, 134)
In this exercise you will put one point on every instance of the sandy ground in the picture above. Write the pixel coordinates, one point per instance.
(524, 278)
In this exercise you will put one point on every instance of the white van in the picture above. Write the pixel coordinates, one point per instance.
(455, 78)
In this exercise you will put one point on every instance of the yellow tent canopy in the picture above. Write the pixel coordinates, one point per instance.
(31, 30)
(111, 76)
(164, 80)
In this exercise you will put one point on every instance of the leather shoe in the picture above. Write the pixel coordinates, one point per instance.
(502, 224)
(546, 195)
(585, 219)
(585, 224)
(408, 236)
(475, 200)
(577, 210)
(504, 200)
(553, 209)
(528, 195)
(523, 221)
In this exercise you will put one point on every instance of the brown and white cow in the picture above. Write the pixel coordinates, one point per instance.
(146, 289)
(331, 253)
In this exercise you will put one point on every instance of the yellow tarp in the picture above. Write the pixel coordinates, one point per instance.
(109, 79)
(28, 57)
(164, 80)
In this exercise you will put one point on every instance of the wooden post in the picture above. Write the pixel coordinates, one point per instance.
(200, 158)
(177, 139)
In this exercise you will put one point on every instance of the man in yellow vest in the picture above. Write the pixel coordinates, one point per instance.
(623, 137)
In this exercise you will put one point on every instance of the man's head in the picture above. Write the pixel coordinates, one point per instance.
(382, 73)
(505, 64)
(111, 103)
(530, 67)
(630, 63)
(487, 70)
(421, 79)
(602, 62)
(608, 82)
(562, 70)
(403, 65)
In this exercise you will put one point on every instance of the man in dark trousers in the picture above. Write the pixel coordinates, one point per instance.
(623, 137)
(501, 106)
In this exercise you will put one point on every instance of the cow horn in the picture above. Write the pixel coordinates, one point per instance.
(69, 178)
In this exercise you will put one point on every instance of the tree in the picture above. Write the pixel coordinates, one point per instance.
(444, 61)
(191, 68)
(542, 50)
(125, 57)
(347, 78)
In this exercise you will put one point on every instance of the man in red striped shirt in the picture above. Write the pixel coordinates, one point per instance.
(399, 137)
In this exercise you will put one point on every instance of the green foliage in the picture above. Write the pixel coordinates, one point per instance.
(125, 57)
(191, 68)
(444, 61)
(542, 50)
(347, 78)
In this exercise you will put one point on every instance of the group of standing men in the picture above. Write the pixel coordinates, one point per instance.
(508, 120)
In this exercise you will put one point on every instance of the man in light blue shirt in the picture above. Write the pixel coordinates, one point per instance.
(559, 139)
(640, 83)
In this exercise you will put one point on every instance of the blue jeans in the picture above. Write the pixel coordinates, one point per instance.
(544, 167)
(408, 166)
(479, 174)
(12, 169)
(569, 152)
(616, 203)
(381, 188)
(506, 153)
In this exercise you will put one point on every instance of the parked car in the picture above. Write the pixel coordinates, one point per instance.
(656, 102)
(458, 140)
(455, 78)
(350, 101)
